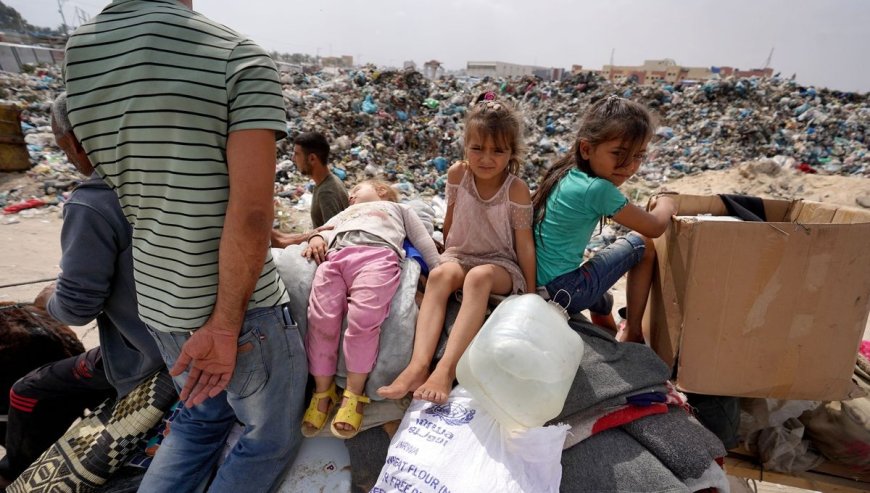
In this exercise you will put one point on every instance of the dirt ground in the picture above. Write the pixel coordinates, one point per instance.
(30, 246)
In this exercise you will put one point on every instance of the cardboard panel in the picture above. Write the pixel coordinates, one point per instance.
(692, 205)
(815, 213)
(762, 309)
(777, 210)
(667, 295)
(664, 311)
(765, 312)
(851, 215)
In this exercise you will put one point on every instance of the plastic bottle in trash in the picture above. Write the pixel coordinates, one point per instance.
(521, 364)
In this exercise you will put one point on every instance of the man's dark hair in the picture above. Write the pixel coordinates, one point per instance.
(314, 143)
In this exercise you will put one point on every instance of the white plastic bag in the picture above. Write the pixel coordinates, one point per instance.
(457, 447)
(770, 428)
(522, 363)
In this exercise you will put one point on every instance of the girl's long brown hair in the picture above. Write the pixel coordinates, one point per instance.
(607, 119)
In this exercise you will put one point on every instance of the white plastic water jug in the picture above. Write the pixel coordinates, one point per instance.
(521, 364)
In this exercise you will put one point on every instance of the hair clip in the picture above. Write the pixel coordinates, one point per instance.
(487, 102)
(610, 103)
(489, 105)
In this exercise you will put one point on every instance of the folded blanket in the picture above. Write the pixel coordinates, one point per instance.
(613, 461)
(679, 442)
(585, 424)
(669, 452)
(611, 372)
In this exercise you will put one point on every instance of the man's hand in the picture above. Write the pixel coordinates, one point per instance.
(210, 353)
(316, 249)
(42, 298)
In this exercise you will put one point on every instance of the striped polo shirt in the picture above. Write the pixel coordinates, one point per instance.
(153, 91)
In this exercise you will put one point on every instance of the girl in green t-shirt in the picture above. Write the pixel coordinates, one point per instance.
(576, 194)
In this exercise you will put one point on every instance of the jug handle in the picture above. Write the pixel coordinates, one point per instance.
(563, 309)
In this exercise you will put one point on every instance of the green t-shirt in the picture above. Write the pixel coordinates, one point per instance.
(328, 198)
(575, 206)
(154, 89)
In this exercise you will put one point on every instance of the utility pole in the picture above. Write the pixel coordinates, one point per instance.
(82, 16)
(610, 74)
(769, 56)
(62, 16)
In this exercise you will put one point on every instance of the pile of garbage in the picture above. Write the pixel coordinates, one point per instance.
(407, 128)
(50, 174)
(400, 126)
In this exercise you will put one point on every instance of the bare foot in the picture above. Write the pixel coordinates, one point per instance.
(407, 381)
(436, 388)
(626, 334)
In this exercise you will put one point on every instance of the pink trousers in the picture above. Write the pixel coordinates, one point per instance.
(359, 281)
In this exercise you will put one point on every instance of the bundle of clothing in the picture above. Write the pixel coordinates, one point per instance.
(631, 430)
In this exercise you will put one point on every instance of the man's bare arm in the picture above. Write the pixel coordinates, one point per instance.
(211, 351)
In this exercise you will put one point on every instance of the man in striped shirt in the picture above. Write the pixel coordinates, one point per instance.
(179, 115)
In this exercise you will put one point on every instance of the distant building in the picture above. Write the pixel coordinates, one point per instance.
(668, 72)
(288, 68)
(433, 69)
(504, 69)
(345, 61)
(754, 72)
(579, 70)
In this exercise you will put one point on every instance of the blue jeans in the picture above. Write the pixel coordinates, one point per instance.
(266, 393)
(586, 286)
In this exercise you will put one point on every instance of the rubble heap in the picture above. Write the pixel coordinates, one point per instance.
(407, 129)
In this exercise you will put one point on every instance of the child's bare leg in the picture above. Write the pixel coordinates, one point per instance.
(637, 292)
(479, 283)
(442, 282)
(606, 321)
(356, 383)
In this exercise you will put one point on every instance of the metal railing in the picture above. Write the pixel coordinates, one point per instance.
(14, 56)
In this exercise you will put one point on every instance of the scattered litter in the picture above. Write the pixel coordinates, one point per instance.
(402, 127)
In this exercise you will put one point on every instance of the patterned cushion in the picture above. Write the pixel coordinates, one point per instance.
(98, 445)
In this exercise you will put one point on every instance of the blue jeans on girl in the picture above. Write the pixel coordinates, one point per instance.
(587, 285)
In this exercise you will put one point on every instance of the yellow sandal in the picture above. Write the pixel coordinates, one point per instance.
(348, 414)
(314, 418)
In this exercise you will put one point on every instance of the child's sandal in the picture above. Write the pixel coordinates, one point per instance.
(314, 418)
(348, 415)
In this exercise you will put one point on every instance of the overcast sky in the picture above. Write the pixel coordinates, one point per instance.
(825, 42)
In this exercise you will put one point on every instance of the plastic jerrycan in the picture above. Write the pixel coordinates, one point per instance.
(521, 364)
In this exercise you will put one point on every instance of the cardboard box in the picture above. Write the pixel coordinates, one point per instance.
(762, 309)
